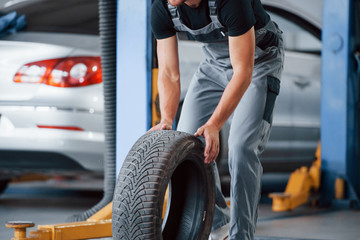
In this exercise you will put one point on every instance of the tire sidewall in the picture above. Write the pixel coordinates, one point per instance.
(191, 150)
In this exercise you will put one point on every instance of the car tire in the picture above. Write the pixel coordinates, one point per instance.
(157, 160)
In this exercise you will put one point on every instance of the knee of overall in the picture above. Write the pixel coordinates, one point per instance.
(242, 155)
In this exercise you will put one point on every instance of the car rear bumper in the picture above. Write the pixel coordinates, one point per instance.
(31, 148)
(24, 146)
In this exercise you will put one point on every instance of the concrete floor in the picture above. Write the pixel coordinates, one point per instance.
(54, 200)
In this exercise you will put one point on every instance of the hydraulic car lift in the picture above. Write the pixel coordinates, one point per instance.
(302, 183)
(340, 103)
(340, 157)
(340, 130)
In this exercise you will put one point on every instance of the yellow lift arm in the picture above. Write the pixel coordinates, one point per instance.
(97, 226)
(299, 186)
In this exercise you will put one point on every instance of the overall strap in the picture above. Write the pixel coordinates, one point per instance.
(213, 31)
(173, 11)
(175, 16)
(212, 8)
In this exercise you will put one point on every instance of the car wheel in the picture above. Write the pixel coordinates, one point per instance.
(157, 160)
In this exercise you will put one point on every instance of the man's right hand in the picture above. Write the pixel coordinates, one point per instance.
(161, 126)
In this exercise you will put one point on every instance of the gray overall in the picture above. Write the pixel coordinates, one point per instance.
(250, 122)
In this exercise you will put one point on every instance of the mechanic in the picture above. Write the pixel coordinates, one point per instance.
(239, 79)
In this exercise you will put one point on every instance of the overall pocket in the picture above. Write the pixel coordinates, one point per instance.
(269, 40)
(273, 90)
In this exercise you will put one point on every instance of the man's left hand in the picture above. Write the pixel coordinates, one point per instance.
(211, 136)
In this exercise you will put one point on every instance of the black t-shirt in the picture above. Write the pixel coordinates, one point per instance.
(237, 16)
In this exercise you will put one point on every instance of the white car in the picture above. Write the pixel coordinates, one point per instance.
(51, 91)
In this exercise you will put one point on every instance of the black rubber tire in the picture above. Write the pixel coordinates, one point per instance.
(154, 160)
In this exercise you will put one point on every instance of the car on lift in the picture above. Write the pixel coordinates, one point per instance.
(51, 97)
(51, 93)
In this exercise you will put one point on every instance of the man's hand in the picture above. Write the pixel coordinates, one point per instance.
(211, 135)
(161, 126)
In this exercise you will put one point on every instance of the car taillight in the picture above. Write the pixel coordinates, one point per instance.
(73, 128)
(62, 72)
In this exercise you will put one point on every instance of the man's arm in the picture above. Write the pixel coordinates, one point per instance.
(242, 50)
(168, 81)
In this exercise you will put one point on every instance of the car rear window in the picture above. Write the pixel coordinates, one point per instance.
(63, 16)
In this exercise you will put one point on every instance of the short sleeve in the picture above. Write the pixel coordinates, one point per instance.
(237, 16)
(161, 23)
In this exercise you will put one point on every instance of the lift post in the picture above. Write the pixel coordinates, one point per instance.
(340, 103)
(134, 69)
(340, 109)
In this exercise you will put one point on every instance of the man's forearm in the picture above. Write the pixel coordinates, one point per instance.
(230, 98)
(169, 96)
(169, 79)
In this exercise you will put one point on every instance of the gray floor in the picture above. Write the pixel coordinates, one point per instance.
(55, 200)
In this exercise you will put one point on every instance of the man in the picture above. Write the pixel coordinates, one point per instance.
(238, 78)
